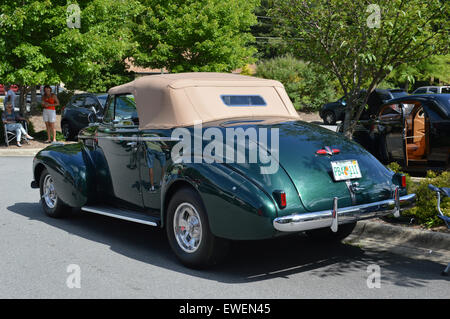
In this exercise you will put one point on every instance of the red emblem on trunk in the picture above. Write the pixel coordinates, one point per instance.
(328, 151)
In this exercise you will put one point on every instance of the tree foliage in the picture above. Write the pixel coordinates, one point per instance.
(38, 47)
(195, 35)
(431, 70)
(347, 38)
(307, 85)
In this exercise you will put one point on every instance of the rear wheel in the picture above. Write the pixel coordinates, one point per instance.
(326, 234)
(329, 118)
(51, 203)
(189, 234)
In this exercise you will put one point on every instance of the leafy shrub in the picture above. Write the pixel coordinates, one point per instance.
(42, 136)
(64, 98)
(425, 211)
(307, 85)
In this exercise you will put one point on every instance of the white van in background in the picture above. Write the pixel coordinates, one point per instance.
(432, 90)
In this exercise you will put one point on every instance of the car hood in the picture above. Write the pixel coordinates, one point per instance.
(307, 177)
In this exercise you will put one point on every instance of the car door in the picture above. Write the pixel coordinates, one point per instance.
(72, 110)
(392, 130)
(154, 153)
(117, 140)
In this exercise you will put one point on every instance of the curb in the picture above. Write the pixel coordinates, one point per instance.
(414, 243)
(19, 152)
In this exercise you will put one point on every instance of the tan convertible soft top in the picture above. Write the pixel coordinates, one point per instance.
(184, 99)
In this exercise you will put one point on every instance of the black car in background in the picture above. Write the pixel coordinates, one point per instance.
(80, 111)
(335, 111)
(413, 131)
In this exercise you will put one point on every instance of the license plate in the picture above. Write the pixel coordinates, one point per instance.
(343, 170)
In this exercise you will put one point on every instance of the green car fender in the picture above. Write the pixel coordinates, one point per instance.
(237, 208)
(72, 172)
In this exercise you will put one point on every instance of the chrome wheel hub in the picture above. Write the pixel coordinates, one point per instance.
(49, 193)
(187, 227)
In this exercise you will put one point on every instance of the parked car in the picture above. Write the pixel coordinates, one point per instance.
(335, 111)
(413, 130)
(76, 114)
(14, 87)
(432, 90)
(314, 181)
(332, 112)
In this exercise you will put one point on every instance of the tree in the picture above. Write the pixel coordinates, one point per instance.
(195, 35)
(267, 41)
(37, 46)
(361, 43)
(431, 70)
(307, 85)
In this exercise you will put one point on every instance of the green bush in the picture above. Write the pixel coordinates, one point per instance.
(307, 85)
(42, 136)
(425, 211)
(64, 98)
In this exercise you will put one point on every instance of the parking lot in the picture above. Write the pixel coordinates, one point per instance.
(118, 259)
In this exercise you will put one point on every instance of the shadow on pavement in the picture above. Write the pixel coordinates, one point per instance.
(248, 261)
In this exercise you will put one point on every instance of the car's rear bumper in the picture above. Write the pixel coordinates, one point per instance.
(323, 219)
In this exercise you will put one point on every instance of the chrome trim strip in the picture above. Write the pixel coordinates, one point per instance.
(111, 214)
(134, 138)
(323, 219)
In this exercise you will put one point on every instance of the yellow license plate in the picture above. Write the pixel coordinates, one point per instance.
(343, 170)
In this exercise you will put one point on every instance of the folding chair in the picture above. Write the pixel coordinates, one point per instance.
(10, 136)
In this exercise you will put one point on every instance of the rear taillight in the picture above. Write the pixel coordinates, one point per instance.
(280, 198)
(399, 180)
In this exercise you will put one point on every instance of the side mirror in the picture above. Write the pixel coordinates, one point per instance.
(93, 109)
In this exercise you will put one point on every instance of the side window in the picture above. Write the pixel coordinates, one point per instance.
(433, 90)
(243, 100)
(445, 90)
(125, 109)
(109, 107)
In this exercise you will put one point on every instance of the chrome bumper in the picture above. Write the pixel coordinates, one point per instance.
(336, 216)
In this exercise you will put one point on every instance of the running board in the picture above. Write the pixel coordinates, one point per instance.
(129, 215)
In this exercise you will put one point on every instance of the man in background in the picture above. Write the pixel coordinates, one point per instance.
(10, 97)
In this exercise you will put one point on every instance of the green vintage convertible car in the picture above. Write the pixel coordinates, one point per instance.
(211, 158)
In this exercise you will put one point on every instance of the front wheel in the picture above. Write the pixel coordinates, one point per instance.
(67, 131)
(326, 234)
(51, 203)
(189, 234)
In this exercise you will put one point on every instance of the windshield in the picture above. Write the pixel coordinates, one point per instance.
(102, 99)
(397, 94)
(125, 111)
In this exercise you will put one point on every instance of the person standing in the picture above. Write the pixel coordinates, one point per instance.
(10, 97)
(49, 103)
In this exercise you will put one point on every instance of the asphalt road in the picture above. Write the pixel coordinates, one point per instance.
(119, 259)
